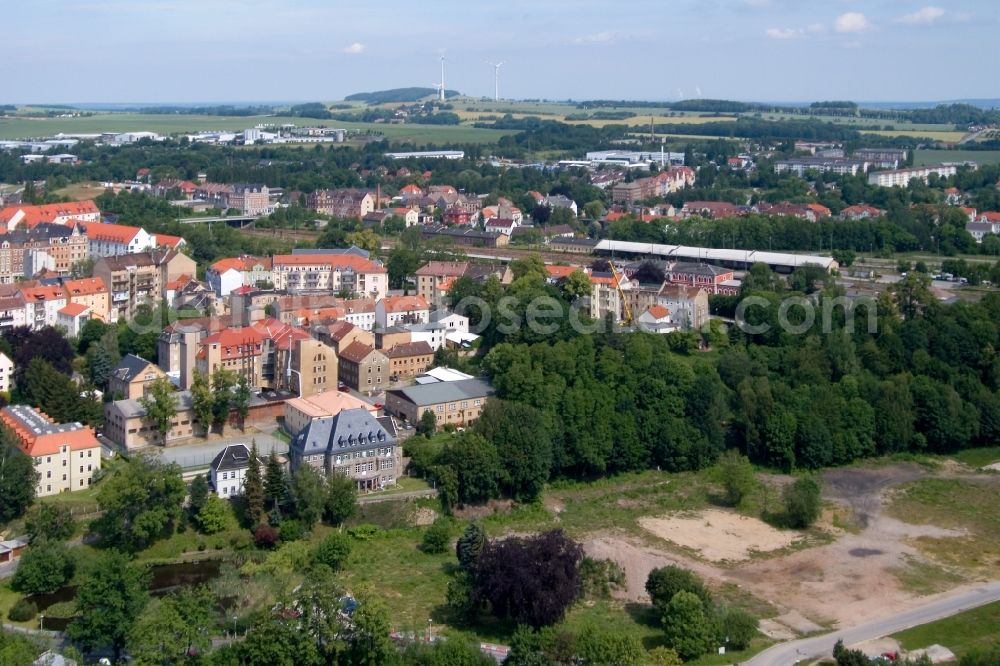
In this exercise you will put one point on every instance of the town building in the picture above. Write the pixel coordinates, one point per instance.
(408, 359)
(353, 443)
(330, 272)
(112, 240)
(250, 199)
(435, 278)
(13, 310)
(812, 212)
(92, 293)
(861, 212)
(882, 158)
(227, 470)
(300, 411)
(339, 334)
(469, 237)
(66, 455)
(573, 245)
(344, 203)
(688, 306)
(656, 319)
(28, 216)
(6, 373)
(72, 318)
(42, 304)
(26, 251)
(133, 377)
(363, 368)
(401, 310)
(458, 402)
(902, 177)
(134, 279)
(838, 165)
(713, 279)
(225, 275)
(126, 425)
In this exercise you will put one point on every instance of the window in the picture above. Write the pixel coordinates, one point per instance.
(90, 453)
(48, 475)
(48, 459)
(64, 477)
(89, 468)
(81, 469)
(440, 408)
(65, 462)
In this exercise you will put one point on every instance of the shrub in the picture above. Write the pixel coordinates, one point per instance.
(291, 530)
(364, 532)
(437, 536)
(22, 611)
(265, 536)
(802, 503)
(739, 626)
(665, 582)
(334, 550)
(45, 567)
(49, 521)
(470, 545)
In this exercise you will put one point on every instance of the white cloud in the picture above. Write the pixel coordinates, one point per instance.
(852, 22)
(784, 33)
(354, 49)
(924, 16)
(596, 38)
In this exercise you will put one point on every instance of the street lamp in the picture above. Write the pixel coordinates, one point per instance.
(41, 622)
(234, 626)
(430, 630)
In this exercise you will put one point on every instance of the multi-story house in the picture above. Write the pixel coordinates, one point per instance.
(126, 424)
(26, 251)
(225, 275)
(330, 272)
(112, 240)
(66, 456)
(134, 279)
(12, 308)
(902, 177)
(90, 292)
(353, 443)
(363, 368)
(216, 194)
(340, 334)
(133, 377)
(606, 295)
(228, 469)
(688, 306)
(25, 216)
(6, 373)
(250, 199)
(408, 359)
(459, 402)
(435, 278)
(305, 366)
(344, 203)
(300, 411)
(400, 310)
(42, 305)
(72, 317)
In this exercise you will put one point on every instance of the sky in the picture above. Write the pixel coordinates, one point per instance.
(108, 51)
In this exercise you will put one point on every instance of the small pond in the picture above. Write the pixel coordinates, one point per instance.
(164, 578)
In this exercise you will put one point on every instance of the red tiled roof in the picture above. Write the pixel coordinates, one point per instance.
(356, 352)
(74, 309)
(444, 268)
(34, 215)
(658, 312)
(404, 303)
(560, 272)
(85, 286)
(42, 293)
(166, 240)
(114, 233)
(342, 261)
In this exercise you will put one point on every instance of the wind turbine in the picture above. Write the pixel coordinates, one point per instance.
(697, 91)
(496, 79)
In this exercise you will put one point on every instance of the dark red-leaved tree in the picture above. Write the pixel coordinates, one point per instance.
(530, 580)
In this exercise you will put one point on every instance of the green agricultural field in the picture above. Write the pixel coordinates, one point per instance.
(923, 157)
(15, 128)
(976, 629)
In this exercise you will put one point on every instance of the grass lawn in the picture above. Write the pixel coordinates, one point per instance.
(924, 157)
(81, 191)
(976, 629)
(964, 505)
(979, 457)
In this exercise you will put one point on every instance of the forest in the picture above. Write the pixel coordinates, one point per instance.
(904, 374)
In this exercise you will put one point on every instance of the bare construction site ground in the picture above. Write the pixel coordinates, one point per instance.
(860, 573)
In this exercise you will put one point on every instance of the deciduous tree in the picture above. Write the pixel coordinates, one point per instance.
(140, 503)
(160, 404)
(108, 601)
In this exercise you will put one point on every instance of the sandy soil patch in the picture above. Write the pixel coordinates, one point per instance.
(424, 516)
(720, 535)
(995, 467)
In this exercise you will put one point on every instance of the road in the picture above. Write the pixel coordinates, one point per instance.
(819, 646)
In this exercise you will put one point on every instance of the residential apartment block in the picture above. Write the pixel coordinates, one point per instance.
(92, 293)
(25, 251)
(28, 216)
(330, 272)
(363, 368)
(250, 199)
(66, 456)
(902, 177)
(134, 279)
(345, 203)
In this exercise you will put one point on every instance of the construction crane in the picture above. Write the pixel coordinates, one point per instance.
(626, 310)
